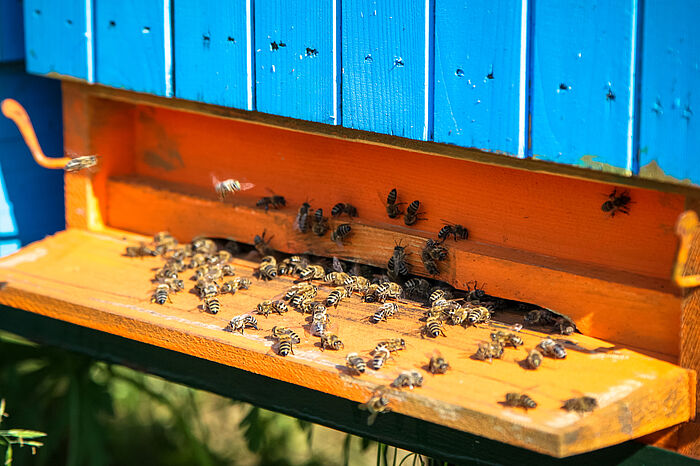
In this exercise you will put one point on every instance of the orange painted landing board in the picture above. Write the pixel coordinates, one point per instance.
(82, 278)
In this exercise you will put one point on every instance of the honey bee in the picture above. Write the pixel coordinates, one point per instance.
(518, 400)
(292, 265)
(559, 322)
(343, 208)
(408, 379)
(80, 163)
(319, 321)
(229, 186)
(582, 404)
(355, 363)
(340, 234)
(397, 262)
(278, 330)
(268, 268)
(285, 344)
(552, 349)
(384, 312)
(231, 286)
(434, 250)
(227, 270)
(417, 288)
(506, 339)
(389, 290)
(312, 272)
(375, 405)
(166, 272)
(175, 284)
(456, 230)
(439, 293)
(265, 308)
(379, 358)
(303, 219)
(489, 351)
(197, 260)
(617, 202)
(223, 256)
(241, 322)
(331, 341)
(207, 289)
(438, 364)
(204, 246)
(164, 238)
(302, 303)
(475, 293)
(161, 294)
(430, 265)
(336, 278)
(262, 244)
(337, 295)
(477, 315)
(140, 251)
(320, 226)
(271, 202)
(392, 345)
(212, 304)
(433, 327)
(534, 359)
(412, 215)
(357, 283)
(392, 207)
(301, 289)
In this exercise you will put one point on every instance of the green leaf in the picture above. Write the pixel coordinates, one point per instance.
(24, 433)
(2, 409)
(32, 443)
(8, 456)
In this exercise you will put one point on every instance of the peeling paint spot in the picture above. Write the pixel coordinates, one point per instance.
(653, 171)
(657, 107)
(231, 39)
(588, 161)
(490, 75)
(368, 58)
(146, 30)
(23, 257)
(687, 112)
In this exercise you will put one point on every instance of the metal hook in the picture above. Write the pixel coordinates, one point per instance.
(685, 228)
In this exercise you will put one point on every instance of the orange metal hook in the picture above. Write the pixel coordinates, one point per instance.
(685, 228)
(15, 112)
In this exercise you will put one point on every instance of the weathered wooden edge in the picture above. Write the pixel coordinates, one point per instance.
(334, 412)
(428, 147)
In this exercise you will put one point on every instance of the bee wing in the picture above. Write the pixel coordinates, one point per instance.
(246, 186)
(214, 179)
(337, 266)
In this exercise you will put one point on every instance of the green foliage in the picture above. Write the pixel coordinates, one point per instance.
(21, 437)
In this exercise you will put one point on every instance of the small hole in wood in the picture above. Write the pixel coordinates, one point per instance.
(490, 75)
(610, 95)
(459, 72)
(398, 62)
(368, 58)
(37, 12)
(112, 24)
(69, 22)
(146, 30)
(231, 39)
(563, 87)
(311, 52)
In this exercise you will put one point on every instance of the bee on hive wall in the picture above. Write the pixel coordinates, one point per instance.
(341, 233)
(262, 244)
(617, 202)
(408, 379)
(375, 405)
(392, 207)
(456, 230)
(520, 400)
(343, 208)
(320, 224)
(412, 215)
(397, 263)
(303, 218)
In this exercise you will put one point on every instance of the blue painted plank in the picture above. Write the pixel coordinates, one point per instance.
(9, 246)
(670, 91)
(583, 71)
(295, 58)
(58, 37)
(480, 63)
(11, 30)
(134, 45)
(211, 52)
(386, 77)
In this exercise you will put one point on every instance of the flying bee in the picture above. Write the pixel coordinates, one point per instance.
(506, 339)
(518, 400)
(357, 283)
(534, 359)
(80, 163)
(355, 363)
(434, 250)
(303, 219)
(617, 202)
(343, 208)
(412, 215)
(161, 294)
(478, 315)
(262, 244)
(229, 186)
(212, 304)
(438, 364)
(331, 341)
(320, 226)
(456, 230)
(392, 345)
(268, 268)
(552, 349)
(140, 251)
(417, 288)
(379, 358)
(433, 327)
(375, 405)
(408, 379)
(582, 404)
(285, 344)
(336, 278)
(312, 272)
(278, 330)
(385, 311)
(392, 207)
(340, 234)
(492, 350)
(397, 262)
(337, 295)
(241, 322)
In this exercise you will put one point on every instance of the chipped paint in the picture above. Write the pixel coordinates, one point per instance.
(21, 257)
(618, 392)
(655, 172)
(588, 161)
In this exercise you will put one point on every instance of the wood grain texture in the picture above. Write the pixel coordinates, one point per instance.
(385, 83)
(210, 49)
(600, 305)
(59, 37)
(296, 63)
(81, 277)
(669, 132)
(582, 80)
(134, 49)
(11, 30)
(479, 83)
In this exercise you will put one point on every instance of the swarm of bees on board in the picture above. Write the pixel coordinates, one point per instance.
(209, 266)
